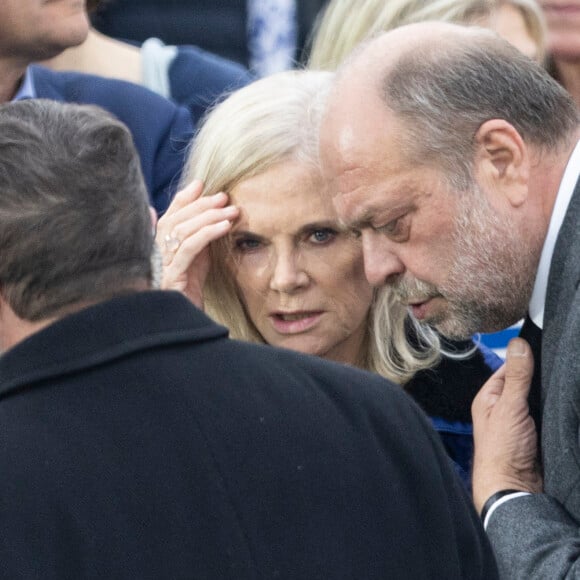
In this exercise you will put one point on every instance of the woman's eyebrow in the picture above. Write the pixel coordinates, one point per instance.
(328, 223)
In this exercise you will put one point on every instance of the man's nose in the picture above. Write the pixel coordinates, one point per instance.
(381, 262)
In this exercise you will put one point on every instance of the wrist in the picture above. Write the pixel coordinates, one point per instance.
(497, 497)
(486, 483)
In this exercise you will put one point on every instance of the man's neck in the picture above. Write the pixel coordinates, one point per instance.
(14, 329)
(11, 75)
(102, 56)
(546, 175)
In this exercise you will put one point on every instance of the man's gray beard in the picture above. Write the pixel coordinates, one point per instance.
(491, 279)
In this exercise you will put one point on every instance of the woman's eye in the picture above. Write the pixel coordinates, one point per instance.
(246, 244)
(322, 235)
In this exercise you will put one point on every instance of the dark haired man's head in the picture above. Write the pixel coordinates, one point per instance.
(75, 225)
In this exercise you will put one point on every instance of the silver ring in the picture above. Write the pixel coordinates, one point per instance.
(172, 243)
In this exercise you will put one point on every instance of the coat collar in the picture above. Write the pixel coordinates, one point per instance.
(105, 332)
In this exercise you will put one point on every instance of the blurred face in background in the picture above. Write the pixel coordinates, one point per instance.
(40, 29)
(508, 21)
(563, 22)
(299, 273)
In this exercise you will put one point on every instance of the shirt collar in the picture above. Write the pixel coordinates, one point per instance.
(567, 185)
(26, 89)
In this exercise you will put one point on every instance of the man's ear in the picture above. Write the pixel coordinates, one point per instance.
(502, 160)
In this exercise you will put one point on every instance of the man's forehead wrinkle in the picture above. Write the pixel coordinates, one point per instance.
(352, 207)
(351, 180)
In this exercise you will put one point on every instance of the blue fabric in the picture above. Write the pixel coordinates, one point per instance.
(446, 392)
(272, 35)
(198, 79)
(498, 341)
(457, 438)
(491, 358)
(161, 130)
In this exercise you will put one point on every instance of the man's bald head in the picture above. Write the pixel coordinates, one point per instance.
(384, 50)
(441, 82)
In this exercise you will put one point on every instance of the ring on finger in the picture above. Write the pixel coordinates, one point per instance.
(172, 243)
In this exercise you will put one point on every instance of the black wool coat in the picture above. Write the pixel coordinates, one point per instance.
(138, 441)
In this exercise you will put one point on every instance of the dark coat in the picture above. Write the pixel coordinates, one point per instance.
(446, 393)
(137, 441)
(161, 130)
(219, 26)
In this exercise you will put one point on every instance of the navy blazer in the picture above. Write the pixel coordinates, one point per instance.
(199, 79)
(160, 129)
(138, 441)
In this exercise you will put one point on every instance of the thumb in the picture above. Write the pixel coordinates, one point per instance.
(519, 368)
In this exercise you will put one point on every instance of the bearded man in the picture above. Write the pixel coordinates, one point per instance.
(461, 173)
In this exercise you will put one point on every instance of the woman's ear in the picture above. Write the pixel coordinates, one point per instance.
(502, 160)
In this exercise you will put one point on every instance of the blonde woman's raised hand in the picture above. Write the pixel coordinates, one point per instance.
(184, 233)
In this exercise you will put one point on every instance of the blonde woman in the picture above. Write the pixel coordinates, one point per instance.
(262, 250)
(345, 24)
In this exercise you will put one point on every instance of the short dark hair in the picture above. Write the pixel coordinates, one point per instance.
(75, 225)
(444, 95)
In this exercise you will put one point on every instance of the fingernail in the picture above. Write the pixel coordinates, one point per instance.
(517, 348)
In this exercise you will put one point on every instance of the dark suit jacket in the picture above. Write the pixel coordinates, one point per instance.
(219, 26)
(137, 441)
(161, 130)
(198, 79)
(538, 536)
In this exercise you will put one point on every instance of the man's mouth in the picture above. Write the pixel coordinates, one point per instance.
(420, 308)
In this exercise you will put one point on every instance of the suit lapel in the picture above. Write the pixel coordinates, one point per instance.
(563, 283)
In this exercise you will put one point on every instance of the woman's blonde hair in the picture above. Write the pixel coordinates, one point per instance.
(345, 24)
(272, 120)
